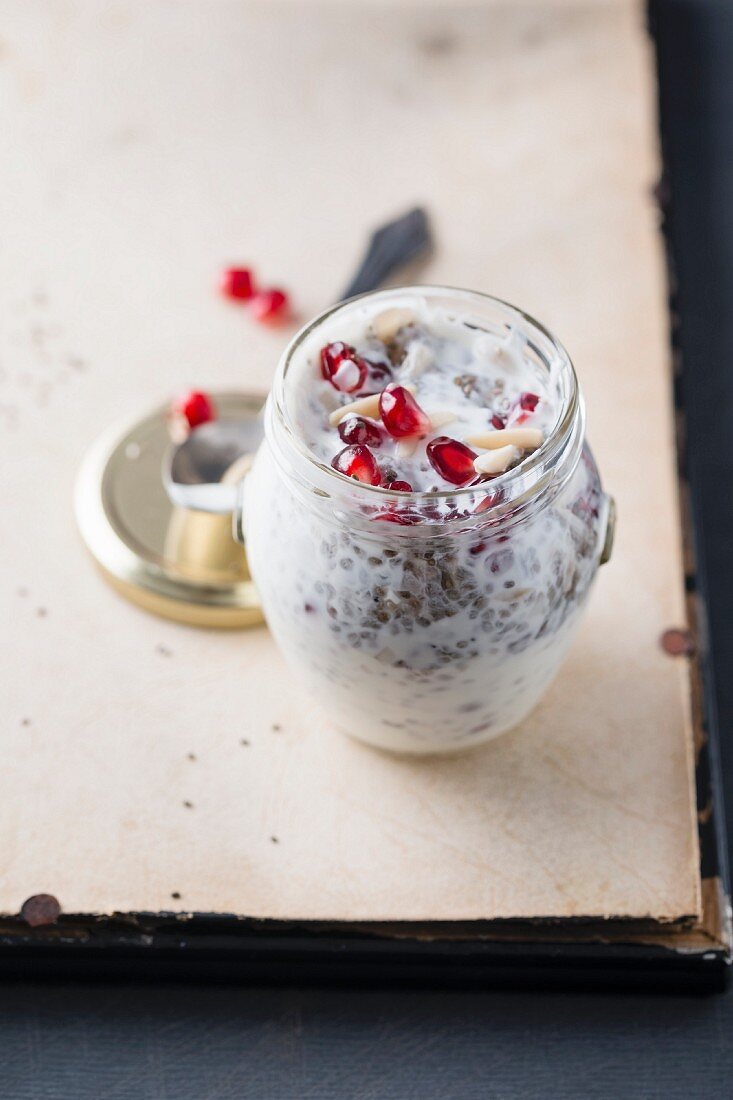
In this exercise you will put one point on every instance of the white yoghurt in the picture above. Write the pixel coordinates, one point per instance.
(461, 376)
(416, 638)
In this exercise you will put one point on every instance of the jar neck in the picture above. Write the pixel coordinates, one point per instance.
(510, 497)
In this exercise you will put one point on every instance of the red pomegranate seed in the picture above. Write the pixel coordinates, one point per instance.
(237, 283)
(498, 422)
(360, 429)
(452, 460)
(528, 402)
(196, 408)
(358, 462)
(399, 486)
(331, 356)
(489, 501)
(378, 375)
(400, 412)
(500, 561)
(269, 305)
(342, 367)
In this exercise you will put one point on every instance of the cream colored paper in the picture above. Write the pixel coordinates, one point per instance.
(144, 146)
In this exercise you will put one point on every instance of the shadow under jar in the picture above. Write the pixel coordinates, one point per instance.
(426, 622)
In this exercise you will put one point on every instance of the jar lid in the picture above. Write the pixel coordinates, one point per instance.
(176, 562)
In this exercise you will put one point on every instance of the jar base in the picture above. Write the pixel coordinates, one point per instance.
(466, 744)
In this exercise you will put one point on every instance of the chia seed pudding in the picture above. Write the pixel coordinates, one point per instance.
(424, 520)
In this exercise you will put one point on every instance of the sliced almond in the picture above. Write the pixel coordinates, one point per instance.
(363, 406)
(406, 447)
(495, 462)
(528, 439)
(440, 419)
(419, 358)
(387, 324)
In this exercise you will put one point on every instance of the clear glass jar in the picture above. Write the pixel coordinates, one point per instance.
(427, 622)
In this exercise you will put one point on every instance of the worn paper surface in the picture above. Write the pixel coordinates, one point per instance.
(145, 146)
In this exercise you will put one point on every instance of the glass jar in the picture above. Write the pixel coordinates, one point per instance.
(427, 622)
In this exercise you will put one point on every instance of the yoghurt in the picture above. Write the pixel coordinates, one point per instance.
(424, 521)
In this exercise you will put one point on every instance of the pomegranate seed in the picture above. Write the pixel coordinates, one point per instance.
(348, 375)
(195, 407)
(378, 375)
(489, 501)
(399, 486)
(237, 283)
(400, 412)
(528, 402)
(501, 561)
(452, 460)
(358, 462)
(342, 367)
(269, 305)
(331, 356)
(498, 422)
(360, 429)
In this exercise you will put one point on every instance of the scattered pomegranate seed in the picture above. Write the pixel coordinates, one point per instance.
(358, 462)
(269, 305)
(399, 486)
(360, 429)
(400, 412)
(195, 407)
(452, 460)
(237, 283)
(498, 422)
(342, 367)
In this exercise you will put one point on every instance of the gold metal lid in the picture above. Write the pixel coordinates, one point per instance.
(173, 561)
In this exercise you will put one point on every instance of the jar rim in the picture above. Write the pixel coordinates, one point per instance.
(528, 469)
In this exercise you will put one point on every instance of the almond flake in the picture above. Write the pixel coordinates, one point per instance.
(495, 462)
(440, 419)
(419, 358)
(363, 406)
(386, 325)
(406, 447)
(528, 439)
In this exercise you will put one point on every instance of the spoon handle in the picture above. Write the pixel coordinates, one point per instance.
(391, 247)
